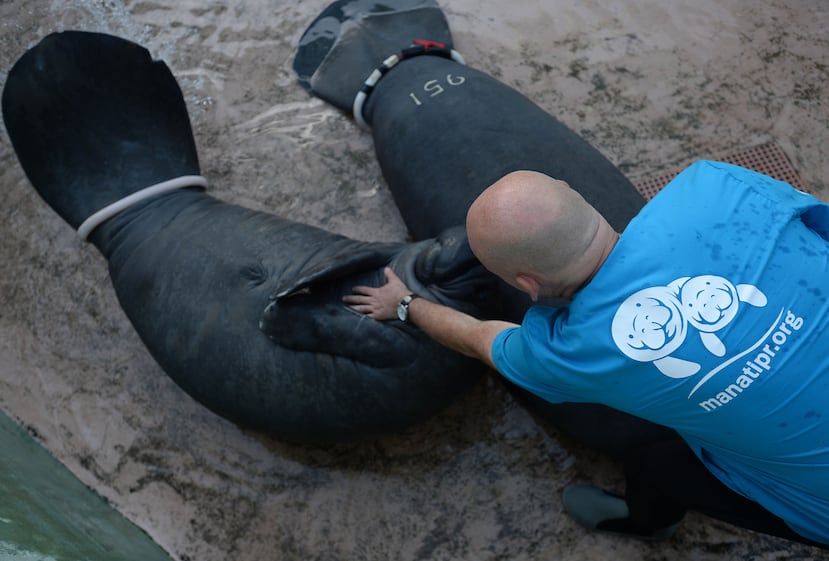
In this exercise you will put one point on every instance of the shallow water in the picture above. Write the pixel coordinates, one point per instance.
(653, 84)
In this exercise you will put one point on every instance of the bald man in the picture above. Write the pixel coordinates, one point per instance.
(706, 315)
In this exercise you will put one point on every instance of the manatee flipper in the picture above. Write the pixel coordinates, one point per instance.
(457, 277)
(351, 38)
(355, 259)
(307, 313)
(94, 119)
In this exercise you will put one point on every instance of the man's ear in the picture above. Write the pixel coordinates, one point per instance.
(528, 284)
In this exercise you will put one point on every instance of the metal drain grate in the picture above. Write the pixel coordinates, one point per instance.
(768, 159)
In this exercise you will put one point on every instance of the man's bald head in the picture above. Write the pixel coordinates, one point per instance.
(528, 223)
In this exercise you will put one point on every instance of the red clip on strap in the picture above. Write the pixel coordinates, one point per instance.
(429, 44)
(425, 47)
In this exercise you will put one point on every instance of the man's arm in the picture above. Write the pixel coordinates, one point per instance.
(451, 328)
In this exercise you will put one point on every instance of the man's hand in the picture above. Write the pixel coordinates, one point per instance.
(451, 328)
(379, 303)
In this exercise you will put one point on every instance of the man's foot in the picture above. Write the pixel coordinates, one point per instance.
(599, 510)
(351, 38)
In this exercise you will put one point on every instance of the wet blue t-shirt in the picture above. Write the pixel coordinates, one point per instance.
(710, 316)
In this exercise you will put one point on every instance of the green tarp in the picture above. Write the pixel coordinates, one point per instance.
(46, 514)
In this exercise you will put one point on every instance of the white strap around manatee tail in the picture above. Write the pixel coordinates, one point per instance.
(418, 47)
(111, 210)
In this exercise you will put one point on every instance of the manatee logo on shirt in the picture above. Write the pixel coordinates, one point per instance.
(654, 322)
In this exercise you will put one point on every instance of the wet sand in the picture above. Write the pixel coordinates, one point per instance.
(654, 85)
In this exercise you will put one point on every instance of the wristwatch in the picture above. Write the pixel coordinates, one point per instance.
(403, 307)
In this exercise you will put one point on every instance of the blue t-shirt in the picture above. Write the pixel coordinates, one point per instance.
(710, 316)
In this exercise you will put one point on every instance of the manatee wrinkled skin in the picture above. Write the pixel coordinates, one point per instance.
(242, 309)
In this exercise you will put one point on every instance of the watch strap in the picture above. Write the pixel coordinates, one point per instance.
(404, 304)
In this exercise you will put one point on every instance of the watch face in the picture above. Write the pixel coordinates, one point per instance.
(402, 312)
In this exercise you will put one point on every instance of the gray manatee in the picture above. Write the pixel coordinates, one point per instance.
(242, 309)
(443, 132)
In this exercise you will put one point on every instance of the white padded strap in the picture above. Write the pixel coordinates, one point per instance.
(111, 210)
(374, 77)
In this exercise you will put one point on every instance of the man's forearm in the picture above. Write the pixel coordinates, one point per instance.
(457, 330)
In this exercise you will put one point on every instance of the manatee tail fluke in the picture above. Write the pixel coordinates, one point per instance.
(93, 119)
(350, 39)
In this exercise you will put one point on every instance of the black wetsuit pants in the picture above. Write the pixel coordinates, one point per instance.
(666, 479)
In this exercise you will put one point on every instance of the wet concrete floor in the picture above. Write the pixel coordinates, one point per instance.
(653, 84)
